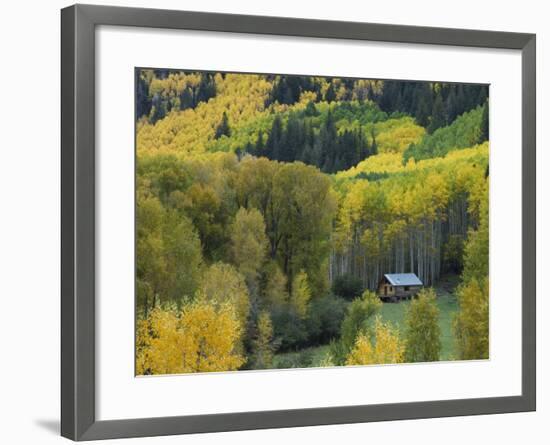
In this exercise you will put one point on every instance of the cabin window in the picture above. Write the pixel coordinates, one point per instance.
(407, 288)
(391, 289)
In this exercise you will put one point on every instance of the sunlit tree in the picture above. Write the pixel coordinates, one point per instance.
(249, 243)
(262, 352)
(300, 294)
(385, 348)
(471, 325)
(223, 285)
(422, 331)
(200, 338)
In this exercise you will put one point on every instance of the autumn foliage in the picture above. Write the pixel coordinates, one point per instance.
(268, 207)
(384, 348)
(200, 338)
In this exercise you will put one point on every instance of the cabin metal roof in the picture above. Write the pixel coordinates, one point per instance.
(403, 279)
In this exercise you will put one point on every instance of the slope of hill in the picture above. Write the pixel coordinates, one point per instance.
(268, 208)
(467, 130)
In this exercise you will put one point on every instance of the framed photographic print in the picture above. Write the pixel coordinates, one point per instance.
(274, 222)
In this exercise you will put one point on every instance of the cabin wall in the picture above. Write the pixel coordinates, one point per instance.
(397, 291)
(401, 291)
(386, 290)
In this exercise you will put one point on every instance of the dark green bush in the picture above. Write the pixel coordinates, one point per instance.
(324, 319)
(289, 329)
(347, 286)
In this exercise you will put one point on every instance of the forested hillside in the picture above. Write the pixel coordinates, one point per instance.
(269, 207)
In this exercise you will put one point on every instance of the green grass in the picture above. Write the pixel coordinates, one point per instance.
(447, 303)
(305, 358)
(395, 314)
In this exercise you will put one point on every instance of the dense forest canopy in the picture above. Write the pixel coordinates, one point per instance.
(266, 203)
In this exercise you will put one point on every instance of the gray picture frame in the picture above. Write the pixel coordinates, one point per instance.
(78, 419)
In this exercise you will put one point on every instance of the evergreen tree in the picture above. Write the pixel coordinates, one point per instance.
(450, 106)
(287, 97)
(387, 99)
(437, 119)
(374, 145)
(460, 104)
(143, 107)
(161, 73)
(206, 89)
(330, 95)
(328, 142)
(422, 112)
(248, 148)
(293, 140)
(288, 89)
(484, 136)
(223, 128)
(274, 139)
(311, 110)
(370, 93)
(158, 109)
(186, 99)
(483, 94)
(259, 147)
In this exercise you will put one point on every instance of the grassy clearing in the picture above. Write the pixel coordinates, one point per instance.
(394, 313)
(305, 358)
(447, 303)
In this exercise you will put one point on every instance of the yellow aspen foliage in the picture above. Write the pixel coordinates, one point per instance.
(275, 289)
(386, 347)
(381, 163)
(452, 162)
(301, 294)
(222, 285)
(476, 251)
(201, 338)
(371, 241)
(471, 324)
(262, 344)
(211, 338)
(240, 96)
(422, 330)
(358, 320)
(292, 183)
(395, 135)
(307, 96)
(352, 207)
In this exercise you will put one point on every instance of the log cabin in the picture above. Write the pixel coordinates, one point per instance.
(398, 286)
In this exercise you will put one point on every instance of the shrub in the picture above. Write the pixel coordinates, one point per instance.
(422, 331)
(288, 362)
(385, 348)
(262, 344)
(289, 329)
(347, 286)
(324, 318)
(358, 321)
